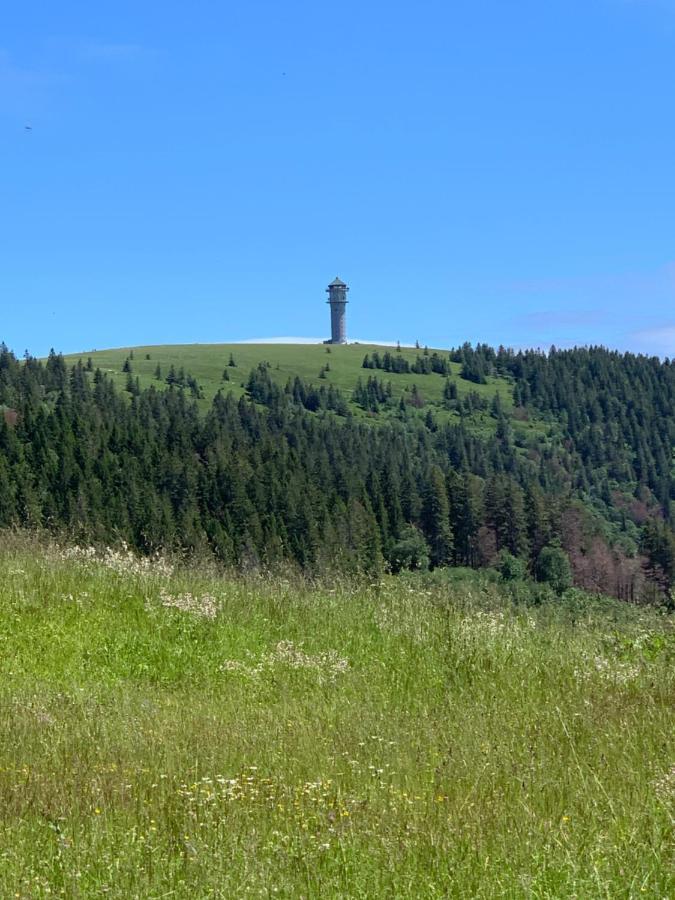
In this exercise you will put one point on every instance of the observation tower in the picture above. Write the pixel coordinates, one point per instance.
(337, 300)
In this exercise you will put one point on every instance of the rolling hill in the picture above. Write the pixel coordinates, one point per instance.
(207, 363)
(354, 457)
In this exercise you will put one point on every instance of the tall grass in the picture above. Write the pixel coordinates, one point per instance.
(188, 734)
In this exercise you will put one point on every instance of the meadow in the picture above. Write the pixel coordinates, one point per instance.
(172, 730)
(207, 363)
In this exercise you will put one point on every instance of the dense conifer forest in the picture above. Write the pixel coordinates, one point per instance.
(291, 474)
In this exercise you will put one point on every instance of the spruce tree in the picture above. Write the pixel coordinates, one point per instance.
(435, 518)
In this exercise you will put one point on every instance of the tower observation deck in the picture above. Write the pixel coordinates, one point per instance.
(337, 300)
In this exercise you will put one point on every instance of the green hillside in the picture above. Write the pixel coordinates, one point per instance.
(265, 455)
(207, 362)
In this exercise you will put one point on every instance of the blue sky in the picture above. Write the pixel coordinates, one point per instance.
(474, 170)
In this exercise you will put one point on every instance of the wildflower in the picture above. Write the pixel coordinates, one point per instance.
(205, 606)
(327, 665)
(664, 787)
(122, 561)
(613, 671)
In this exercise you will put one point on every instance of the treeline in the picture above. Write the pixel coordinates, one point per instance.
(615, 412)
(394, 362)
(265, 479)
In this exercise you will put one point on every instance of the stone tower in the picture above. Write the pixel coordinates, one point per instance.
(337, 299)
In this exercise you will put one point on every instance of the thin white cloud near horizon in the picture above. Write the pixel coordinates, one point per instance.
(658, 341)
(311, 340)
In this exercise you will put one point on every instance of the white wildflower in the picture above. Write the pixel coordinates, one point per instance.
(326, 665)
(204, 605)
(665, 787)
(122, 561)
(611, 671)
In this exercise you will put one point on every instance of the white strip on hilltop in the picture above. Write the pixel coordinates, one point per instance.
(306, 340)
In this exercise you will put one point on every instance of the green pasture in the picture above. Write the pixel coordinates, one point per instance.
(175, 731)
(207, 362)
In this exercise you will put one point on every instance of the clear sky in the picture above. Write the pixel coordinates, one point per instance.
(474, 169)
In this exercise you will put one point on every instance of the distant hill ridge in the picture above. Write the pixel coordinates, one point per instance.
(264, 453)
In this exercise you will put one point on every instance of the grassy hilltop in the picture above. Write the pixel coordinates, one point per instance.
(173, 732)
(206, 362)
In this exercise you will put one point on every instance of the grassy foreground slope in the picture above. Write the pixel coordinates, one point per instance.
(188, 734)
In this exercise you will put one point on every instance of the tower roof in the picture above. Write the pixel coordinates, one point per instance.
(337, 282)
